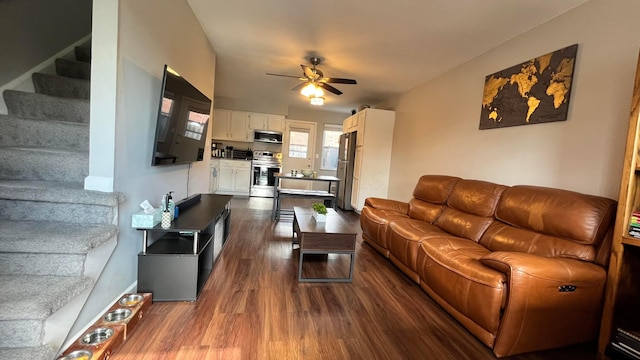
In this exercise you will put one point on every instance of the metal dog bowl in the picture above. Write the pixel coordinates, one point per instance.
(131, 300)
(117, 315)
(77, 355)
(97, 336)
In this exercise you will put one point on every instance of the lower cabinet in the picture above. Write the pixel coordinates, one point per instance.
(234, 177)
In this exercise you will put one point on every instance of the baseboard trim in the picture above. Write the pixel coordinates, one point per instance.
(23, 82)
(77, 335)
(98, 183)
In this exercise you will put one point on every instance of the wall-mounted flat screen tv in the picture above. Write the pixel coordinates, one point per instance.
(183, 118)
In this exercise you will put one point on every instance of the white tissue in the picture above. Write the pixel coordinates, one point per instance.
(146, 206)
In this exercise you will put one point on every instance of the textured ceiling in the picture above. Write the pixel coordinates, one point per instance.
(389, 47)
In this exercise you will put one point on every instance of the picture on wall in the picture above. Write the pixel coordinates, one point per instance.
(536, 91)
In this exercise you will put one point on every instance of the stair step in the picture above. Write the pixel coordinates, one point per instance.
(73, 69)
(32, 237)
(56, 192)
(31, 353)
(61, 86)
(40, 106)
(60, 203)
(26, 301)
(43, 164)
(83, 53)
(52, 134)
(48, 248)
(42, 264)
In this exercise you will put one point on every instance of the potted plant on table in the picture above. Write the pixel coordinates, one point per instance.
(319, 212)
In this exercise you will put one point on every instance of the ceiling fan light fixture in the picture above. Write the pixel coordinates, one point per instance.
(308, 90)
(316, 100)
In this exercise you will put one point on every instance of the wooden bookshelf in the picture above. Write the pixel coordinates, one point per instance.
(622, 295)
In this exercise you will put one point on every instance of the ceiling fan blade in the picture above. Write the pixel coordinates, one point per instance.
(299, 86)
(308, 72)
(330, 88)
(339, 81)
(290, 76)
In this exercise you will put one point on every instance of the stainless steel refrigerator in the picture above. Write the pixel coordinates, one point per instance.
(346, 159)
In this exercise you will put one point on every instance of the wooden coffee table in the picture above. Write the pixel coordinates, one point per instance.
(334, 236)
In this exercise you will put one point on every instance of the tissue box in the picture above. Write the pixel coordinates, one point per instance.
(140, 220)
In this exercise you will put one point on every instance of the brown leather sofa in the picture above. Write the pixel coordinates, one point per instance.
(523, 268)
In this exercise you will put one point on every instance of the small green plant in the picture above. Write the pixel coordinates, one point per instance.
(319, 208)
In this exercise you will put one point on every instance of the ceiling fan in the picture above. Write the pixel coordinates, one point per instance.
(313, 76)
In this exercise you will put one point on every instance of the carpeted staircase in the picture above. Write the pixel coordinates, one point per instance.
(50, 227)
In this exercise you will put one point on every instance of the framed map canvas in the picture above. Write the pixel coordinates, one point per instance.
(536, 91)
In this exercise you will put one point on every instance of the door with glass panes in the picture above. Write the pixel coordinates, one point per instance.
(298, 151)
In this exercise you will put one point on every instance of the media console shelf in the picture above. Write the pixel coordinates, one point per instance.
(175, 263)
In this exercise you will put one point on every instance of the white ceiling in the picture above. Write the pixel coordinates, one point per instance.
(389, 47)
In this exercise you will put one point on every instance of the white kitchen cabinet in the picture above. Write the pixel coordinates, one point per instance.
(268, 122)
(221, 120)
(231, 125)
(234, 177)
(239, 127)
(350, 124)
(374, 139)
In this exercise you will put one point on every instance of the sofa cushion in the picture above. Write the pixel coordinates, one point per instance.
(429, 195)
(550, 222)
(404, 237)
(374, 223)
(470, 208)
(450, 267)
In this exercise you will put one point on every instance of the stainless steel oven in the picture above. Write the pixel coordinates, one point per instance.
(264, 165)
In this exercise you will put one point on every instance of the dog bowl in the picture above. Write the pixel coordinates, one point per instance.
(130, 300)
(77, 355)
(117, 315)
(97, 336)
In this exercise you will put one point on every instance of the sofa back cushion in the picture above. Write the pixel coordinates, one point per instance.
(550, 222)
(470, 208)
(429, 196)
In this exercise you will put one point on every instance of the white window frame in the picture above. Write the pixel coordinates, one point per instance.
(329, 127)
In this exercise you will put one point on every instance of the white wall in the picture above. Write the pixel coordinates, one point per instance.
(34, 30)
(151, 33)
(437, 123)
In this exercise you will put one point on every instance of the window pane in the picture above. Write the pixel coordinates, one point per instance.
(330, 144)
(298, 143)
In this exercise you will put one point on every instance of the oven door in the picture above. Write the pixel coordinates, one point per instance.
(263, 179)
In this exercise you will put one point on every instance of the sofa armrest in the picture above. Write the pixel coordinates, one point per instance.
(550, 301)
(387, 204)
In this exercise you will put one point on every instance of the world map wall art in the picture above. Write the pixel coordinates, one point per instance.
(536, 91)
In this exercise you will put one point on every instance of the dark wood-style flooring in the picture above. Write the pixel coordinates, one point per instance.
(253, 307)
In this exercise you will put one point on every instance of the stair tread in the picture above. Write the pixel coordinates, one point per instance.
(41, 106)
(45, 150)
(31, 353)
(5, 117)
(51, 237)
(56, 191)
(35, 297)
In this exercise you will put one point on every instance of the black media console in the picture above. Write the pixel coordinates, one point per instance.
(175, 263)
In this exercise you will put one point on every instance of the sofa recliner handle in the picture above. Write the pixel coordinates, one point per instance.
(567, 288)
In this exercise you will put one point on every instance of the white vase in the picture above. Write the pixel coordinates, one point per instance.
(319, 217)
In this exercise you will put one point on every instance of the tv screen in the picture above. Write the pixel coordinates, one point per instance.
(183, 118)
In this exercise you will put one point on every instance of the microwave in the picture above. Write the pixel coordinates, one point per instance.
(272, 137)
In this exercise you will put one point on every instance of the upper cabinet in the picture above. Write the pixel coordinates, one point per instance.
(350, 124)
(230, 125)
(268, 122)
(239, 125)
